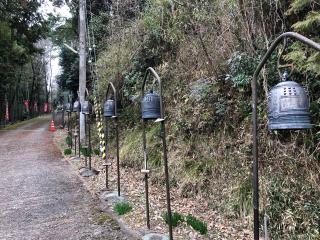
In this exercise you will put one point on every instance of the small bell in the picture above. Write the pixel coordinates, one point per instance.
(68, 107)
(86, 108)
(76, 106)
(288, 105)
(150, 106)
(108, 108)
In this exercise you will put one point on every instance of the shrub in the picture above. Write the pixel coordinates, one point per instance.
(96, 151)
(122, 208)
(241, 69)
(68, 140)
(67, 151)
(85, 151)
(197, 225)
(176, 218)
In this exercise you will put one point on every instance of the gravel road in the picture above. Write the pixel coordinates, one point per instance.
(41, 197)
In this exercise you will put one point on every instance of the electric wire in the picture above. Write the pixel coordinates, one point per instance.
(94, 77)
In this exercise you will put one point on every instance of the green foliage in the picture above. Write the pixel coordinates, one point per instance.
(160, 23)
(241, 67)
(312, 21)
(298, 5)
(85, 151)
(176, 218)
(306, 59)
(243, 200)
(68, 140)
(209, 136)
(293, 213)
(96, 151)
(197, 225)
(21, 56)
(131, 149)
(68, 79)
(67, 151)
(122, 208)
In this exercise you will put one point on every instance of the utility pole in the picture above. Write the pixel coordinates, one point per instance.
(82, 61)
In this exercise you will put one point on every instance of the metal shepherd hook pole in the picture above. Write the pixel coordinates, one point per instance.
(111, 111)
(276, 42)
(149, 113)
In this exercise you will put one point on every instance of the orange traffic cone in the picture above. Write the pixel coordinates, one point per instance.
(52, 127)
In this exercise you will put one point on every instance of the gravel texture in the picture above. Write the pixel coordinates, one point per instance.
(41, 196)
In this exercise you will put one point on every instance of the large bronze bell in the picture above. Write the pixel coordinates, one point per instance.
(288, 105)
(76, 106)
(108, 108)
(86, 108)
(150, 106)
(68, 107)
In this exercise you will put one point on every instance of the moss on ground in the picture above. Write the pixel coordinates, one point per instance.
(21, 123)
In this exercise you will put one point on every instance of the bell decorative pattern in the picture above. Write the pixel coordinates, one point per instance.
(108, 108)
(288, 105)
(150, 106)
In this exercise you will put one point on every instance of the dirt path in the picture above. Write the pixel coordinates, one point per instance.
(40, 195)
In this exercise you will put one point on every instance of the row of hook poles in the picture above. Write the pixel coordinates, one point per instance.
(146, 171)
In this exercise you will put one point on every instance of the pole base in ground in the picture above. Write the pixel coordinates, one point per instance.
(86, 172)
(155, 236)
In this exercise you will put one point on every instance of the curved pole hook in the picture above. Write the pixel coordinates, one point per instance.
(267, 55)
(110, 85)
(87, 94)
(150, 70)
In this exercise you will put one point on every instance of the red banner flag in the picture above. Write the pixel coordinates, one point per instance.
(35, 106)
(7, 111)
(45, 107)
(26, 104)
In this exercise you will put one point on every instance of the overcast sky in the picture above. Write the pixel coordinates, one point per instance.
(63, 11)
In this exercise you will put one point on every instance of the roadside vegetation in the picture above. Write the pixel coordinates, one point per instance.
(205, 52)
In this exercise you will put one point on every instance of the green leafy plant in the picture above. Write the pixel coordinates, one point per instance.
(96, 151)
(122, 208)
(241, 69)
(176, 218)
(85, 151)
(68, 140)
(67, 151)
(197, 225)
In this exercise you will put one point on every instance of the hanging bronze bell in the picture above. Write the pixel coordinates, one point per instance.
(76, 106)
(288, 104)
(68, 107)
(108, 108)
(150, 106)
(86, 108)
